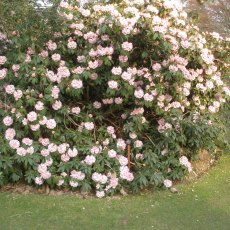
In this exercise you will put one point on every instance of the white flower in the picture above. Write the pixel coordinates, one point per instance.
(89, 125)
(77, 84)
(113, 84)
(167, 183)
(138, 144)
(139, 93)
(89, 160)
(127, 46)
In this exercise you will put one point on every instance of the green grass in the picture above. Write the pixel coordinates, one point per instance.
(201, 205)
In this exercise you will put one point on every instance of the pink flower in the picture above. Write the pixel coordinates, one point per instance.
(39, 106)
(56, 57)
(212, 109)
(132, 135)
(52, 147)
(85, 12)
(216, 104)
(148, 97)
(112, 84)
(27, 141)
(106, 142)
(39, 180)
(108, 101)
(93, 64)
(17, 94)
(126, 174)
(209, 84)
(95, 150)
(3, 60)
(118, 100)
(14, 144)
(97, 105)
(156, 67)
(3, 73)
(63, 72)
(10, 89)
(138, 144)
(10, 134)
(35, 127)
(105, 37)
(44, 54)
(43, 120)
(21, 151)
(139, 156)
(60, 182)
(55, 92)
(100, 194)
(116, 70)
(65, 157)
(7, 121)
(94, 76)
(96, 177)
(81, 59)
(51, 124)
(110, 130)
(139, 93)
(123, 59)
(46, 175)
(62, 148)
(93, 53)
(137, 111)
(42, 168)
(73, 184)
(91, 37)
(167, 183)
(72, 152)
(113, 183)
(112, 153)
(51, 45)
(30, 150)
(77, 175)
(44, 141)
(52, 76)
(184, 161)
(89, 125)
(122, 160)
(32, 116)
(89, 160)
(57, 105)
(127, 46)
(121, 144)
(24, 121)
(78, 70)
(72, 45)
(45, 152)
(77, 84)
(185, 44)
(76, 110)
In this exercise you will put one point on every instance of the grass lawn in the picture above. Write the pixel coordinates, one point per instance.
(201, 205)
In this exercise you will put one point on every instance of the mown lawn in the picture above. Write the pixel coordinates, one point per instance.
(204, 204)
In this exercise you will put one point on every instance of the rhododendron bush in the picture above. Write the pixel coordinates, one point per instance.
(131, 74)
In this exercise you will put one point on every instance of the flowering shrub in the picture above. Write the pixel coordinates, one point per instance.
(130, 74)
